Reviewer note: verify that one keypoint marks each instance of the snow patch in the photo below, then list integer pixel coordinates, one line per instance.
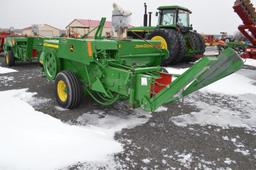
(241, 114)
(146, 161)
(218, 116)
(111, 123)
(228, 161)
(250, 62)
(161, 109)
(234, 84)
(185, 159)
(34, 140)
(244, 152)
(28, 97)
(5, 80)
(60, 108)
(4, 70)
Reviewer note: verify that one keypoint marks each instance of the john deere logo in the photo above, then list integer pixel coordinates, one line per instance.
(71, 48)
(148, 46)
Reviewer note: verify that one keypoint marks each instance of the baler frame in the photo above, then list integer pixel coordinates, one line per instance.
(109, 70)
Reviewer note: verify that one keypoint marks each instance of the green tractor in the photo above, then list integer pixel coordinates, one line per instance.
(175, 33)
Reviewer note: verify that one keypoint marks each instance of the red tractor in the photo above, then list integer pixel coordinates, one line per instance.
(246, 11)
(3, 35)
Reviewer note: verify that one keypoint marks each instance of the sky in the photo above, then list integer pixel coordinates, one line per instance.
(208, 17)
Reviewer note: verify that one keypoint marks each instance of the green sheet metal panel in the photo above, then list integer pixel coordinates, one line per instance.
(140, 53)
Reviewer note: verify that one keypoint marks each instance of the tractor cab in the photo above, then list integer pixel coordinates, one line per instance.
(174, 16)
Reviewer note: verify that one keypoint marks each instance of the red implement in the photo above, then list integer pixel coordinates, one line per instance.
(247, 13)
(2, 37)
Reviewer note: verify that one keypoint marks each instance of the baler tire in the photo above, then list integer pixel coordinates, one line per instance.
(9, 59)
(172, 43)
(74, 90)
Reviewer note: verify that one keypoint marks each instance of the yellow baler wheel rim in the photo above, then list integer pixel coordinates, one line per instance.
(62, 91)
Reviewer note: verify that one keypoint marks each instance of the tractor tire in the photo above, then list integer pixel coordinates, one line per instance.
(169, 40)
(9, 59)
(197, 44)
(201, 43)
(182, 49)
(193, 41)
(67, 90)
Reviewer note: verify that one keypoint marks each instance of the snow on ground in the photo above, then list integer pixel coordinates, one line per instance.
(60, 108)
(161, 109)
(240, 113)
(234, 84)
(4, 70)
(218, 116)
(111, 123)
(6, 80)
(23, 95)
(211, 51)
(34, 140)
(250, 62)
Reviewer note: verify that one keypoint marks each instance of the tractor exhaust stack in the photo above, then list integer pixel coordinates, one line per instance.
(150, 16)
(145, 16)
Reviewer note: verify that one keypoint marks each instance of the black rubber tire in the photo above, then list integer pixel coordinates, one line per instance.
(74, 89)
(172, 40)
(197, 44)
(182, 49)
(193, 41)
(201, 43)
(10, 57)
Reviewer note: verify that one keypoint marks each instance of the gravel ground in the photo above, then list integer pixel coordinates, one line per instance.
(159, 143)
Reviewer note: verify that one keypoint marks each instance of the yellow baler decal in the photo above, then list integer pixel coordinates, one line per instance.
(51, 45)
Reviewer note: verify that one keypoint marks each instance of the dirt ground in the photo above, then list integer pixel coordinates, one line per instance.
(159, 143)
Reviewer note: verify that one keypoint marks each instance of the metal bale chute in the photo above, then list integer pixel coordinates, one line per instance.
(110, 70)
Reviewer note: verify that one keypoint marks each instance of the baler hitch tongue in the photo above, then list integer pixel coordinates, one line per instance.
(204, 72)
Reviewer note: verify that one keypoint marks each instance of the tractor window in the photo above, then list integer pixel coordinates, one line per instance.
(183, 18)
(168, 17)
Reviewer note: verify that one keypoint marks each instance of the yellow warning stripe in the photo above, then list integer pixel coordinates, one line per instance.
(51, 45)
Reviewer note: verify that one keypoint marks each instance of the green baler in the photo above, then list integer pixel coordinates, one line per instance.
(22, 49)
(109, 70)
